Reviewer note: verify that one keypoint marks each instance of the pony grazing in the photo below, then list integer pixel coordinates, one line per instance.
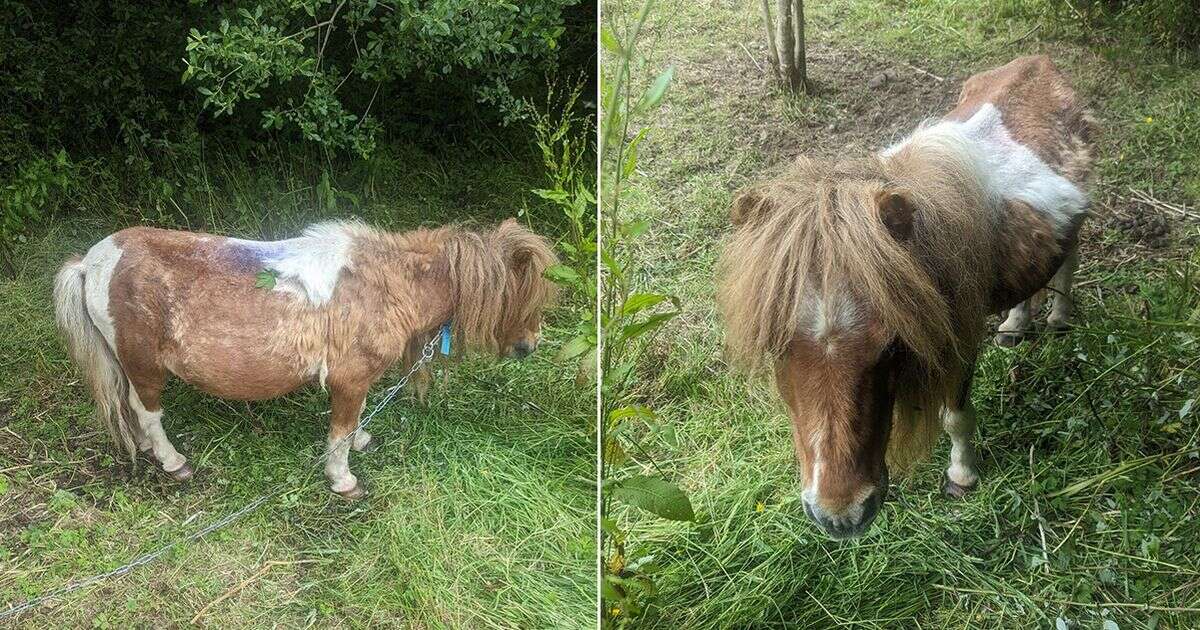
(864, 284)
(347, 301)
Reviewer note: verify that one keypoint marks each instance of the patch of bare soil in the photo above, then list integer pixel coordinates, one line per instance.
(859, 101)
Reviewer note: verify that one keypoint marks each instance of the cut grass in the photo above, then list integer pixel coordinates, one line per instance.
(480, 512)
(1087, 510)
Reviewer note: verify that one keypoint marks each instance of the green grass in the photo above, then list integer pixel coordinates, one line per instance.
(1089, 506)
(481, 509)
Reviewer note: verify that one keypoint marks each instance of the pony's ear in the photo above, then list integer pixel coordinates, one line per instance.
(896, 211)
(749, 204)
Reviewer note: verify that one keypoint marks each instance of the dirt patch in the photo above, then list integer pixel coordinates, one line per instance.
(859, 101)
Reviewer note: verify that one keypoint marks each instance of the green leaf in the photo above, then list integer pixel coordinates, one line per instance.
(631, 153)
(562, 274)
(655, 495)
(632, 411)
(634, 229)
(641, 301)
(657, 91)
(636, 330)
(266, 279)
(610, 591)
(577, 346)
(609, 41)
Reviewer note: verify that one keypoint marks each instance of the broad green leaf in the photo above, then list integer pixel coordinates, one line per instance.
(636, 330)
(634, 229)
(632, 411)
(577, 346)
(657, 90)
(609, 41)
(562, 274)
(655, 495)
(641, 301)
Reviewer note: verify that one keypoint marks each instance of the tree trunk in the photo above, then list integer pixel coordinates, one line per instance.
(770, 24)
(800, 64)
(787, 59)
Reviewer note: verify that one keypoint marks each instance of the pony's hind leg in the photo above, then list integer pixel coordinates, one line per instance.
(347, 406)
(145, 392)
(958, 420)
(1060, 285)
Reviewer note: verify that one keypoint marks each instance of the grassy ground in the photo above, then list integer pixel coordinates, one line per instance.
(480, 511)
(1087, 514)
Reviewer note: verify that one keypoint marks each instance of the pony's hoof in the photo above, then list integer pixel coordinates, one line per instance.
(1009, 339)
(1058, 326)
(353, 494)
(181, 474)
(955, 491)
(372, 446)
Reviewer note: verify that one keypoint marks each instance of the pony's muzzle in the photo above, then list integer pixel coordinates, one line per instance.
(522, 349)
(852, 520)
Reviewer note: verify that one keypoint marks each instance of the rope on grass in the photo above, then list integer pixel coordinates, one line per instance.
(388, 394)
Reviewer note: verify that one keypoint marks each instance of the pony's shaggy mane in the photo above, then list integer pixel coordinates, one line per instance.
(495, 277)
(817, 229)
(498, 276)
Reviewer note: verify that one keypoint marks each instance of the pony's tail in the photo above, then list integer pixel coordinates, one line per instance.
(97, 361)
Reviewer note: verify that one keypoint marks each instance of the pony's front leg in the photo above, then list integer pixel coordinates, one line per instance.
(347, 407)
(958, 420)
(1015, 325)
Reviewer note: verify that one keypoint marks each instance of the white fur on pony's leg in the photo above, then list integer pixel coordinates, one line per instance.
(1060, 307)
(337, 465)
(362, 441)
(150, 423)
(1012, 331)
(960, 426)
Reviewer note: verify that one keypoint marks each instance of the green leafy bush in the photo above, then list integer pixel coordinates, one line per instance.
(329, 68)
(24, 196)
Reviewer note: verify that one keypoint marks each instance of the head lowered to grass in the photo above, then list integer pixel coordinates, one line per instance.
(252, 320)
(864, 284)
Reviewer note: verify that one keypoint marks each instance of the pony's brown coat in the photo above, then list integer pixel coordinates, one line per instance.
(182, 305)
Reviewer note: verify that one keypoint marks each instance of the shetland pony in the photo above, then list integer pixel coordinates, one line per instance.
(347, 302)
(864, 284)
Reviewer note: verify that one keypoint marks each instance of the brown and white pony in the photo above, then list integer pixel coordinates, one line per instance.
(348, 301)
(864, 284)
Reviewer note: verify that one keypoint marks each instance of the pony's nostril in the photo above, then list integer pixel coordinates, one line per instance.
(853, 521)
(522, 349)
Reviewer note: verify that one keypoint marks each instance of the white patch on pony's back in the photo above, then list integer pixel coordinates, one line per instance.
(1006, 168)
(308, 266)
(99, 264)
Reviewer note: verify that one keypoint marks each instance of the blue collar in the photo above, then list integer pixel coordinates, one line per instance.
(446, 334)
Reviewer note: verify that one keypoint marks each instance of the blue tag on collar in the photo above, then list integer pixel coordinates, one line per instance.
(446, 339)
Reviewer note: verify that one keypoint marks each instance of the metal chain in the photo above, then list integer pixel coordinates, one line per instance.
(390, 393)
